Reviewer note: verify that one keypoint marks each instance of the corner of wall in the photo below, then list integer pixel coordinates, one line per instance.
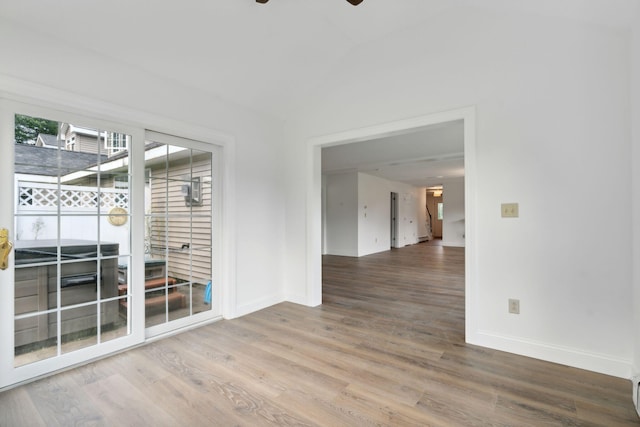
(259, 304)
(635, 182)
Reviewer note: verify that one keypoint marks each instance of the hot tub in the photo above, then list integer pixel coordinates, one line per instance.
(36, 286)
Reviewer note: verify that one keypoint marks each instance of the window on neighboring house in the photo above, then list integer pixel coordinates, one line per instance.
(121, 182)
(116, 142)
(70, 145)
(440, 211)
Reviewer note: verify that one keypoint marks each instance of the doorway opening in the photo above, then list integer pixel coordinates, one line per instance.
(435, 208)
(404, 127)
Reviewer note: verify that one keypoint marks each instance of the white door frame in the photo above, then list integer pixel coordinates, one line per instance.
(313, 202)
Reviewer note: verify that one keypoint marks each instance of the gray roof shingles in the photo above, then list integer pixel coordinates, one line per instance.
(51, 140)
(44, 161)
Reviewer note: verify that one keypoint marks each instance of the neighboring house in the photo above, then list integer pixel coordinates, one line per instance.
(174, 234)
(86, 140)
(48, 141)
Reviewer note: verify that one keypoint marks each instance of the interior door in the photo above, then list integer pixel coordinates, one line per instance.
(66, 207)
(434, 204)
(437, 223)
(394, 220)
(182, 193)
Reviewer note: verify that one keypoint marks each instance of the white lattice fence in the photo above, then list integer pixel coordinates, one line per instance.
(36, 194)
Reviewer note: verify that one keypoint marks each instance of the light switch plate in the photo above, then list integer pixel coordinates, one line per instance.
(509, 210)
(514, 306)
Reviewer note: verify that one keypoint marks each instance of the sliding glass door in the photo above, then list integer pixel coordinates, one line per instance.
(108, 235)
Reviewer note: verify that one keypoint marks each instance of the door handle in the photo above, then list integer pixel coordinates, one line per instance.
(5, 248)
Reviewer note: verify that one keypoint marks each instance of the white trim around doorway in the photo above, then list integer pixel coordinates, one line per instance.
(314, 202)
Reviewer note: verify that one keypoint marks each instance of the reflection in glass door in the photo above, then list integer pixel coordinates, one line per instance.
(72, 235)
(179, 223)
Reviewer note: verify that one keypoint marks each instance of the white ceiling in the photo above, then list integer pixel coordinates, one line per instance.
(274, 57)
(424, 158)
(268, 57)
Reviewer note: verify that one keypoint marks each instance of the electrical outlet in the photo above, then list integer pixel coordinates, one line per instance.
(514, 306)
(509, 210)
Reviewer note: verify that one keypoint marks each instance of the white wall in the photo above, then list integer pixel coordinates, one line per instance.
(341, 223)
(256, 176)
(635, 99)
(374, 209)
(453, 220)
(374, 214)
(358, 220)
(552, 130)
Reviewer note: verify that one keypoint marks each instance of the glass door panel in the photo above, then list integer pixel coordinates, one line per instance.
(71, 238)
(179, 228)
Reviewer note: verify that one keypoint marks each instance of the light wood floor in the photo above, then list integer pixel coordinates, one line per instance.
(386, 348)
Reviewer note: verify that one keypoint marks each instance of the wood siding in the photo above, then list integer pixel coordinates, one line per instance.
(172, 223)
(86, 144)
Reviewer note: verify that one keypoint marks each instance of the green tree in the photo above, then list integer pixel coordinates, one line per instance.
(28, 128)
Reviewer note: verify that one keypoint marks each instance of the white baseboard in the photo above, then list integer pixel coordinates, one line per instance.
(298, 299)
(258, 304)
(635, 381)
(453, 243)
(601, 363)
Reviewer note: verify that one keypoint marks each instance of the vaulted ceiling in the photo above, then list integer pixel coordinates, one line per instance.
(274, 57)
(268, 57)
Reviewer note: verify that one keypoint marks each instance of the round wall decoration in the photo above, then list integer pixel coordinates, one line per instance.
(118, 216)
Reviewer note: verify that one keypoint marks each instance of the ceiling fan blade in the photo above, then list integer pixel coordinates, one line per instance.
(353, 2)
